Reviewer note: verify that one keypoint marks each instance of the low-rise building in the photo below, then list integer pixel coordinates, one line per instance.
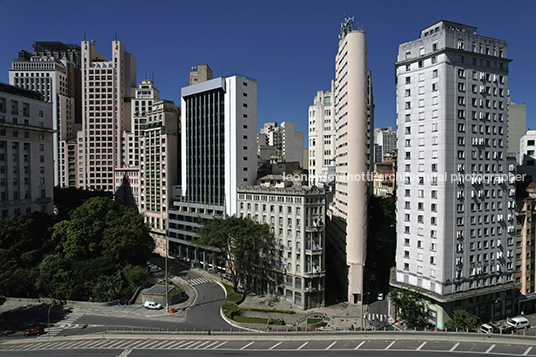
(296, 215)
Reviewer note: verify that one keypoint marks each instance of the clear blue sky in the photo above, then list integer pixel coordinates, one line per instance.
(288, 46)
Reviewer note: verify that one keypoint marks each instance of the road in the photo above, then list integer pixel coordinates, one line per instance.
(227, 345)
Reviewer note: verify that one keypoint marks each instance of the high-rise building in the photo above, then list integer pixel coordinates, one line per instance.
(386, 138)
(280, 143)
(218, 147)
(525, 244)
(354, 118)
(159, 167)
(143, 98)
(53, 69)
(321, 133)
(106, 114)
(517, 121)
(455, 210)
(26, 156)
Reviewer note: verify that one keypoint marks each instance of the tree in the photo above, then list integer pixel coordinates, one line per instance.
(246, 247)
(461, 319)
(24, 241)
(100, 253)
(413, 309)
(67, 199)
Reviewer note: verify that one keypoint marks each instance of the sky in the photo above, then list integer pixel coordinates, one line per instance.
(288, 46)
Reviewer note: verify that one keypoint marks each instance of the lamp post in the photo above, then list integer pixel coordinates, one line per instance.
(49, 318)
(166, 265)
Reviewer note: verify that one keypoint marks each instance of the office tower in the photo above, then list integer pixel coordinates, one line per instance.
(321, 133)
(141, 103)
(26, 156)
(517, 121)
(525, 246)
(280, 143)
(354, 119)
(296, 215)
(455, 212)
(386, 138)
(218, 147)
(106, 114)
(53, 69)
(527, 156)
(159, 166)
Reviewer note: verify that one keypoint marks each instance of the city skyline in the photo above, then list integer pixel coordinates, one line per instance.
(290, 53)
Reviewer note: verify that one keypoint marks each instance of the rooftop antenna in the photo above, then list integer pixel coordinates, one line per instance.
(152, 76)
(116, 36)
(84, 36)
(145, 74)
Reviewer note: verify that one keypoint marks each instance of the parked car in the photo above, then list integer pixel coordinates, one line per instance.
(152, 305)
(34, 331)
(488, 329)
(380, 296)
(518, 322)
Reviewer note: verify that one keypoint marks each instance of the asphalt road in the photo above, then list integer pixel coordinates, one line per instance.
(225, 347)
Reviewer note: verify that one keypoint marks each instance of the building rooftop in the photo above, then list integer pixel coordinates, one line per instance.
(6, 88)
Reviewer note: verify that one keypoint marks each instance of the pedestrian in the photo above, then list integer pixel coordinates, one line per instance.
(522, 313)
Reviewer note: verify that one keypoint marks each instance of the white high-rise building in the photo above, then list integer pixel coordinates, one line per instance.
(53, 70)
(455, 223)
(106, 114)
(218, 147)
(321, 134)
(354, 121)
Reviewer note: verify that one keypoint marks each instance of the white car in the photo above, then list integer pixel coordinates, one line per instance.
(380, 296)
(152, 305)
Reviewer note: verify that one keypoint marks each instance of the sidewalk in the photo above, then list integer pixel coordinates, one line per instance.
(339, 317)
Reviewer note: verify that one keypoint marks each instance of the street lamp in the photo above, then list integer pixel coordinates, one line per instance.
(49, 318)
(166, 265)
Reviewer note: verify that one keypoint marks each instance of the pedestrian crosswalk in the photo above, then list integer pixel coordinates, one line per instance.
(198, 281)
(69, 322)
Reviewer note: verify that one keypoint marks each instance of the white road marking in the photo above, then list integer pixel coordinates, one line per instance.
(274, 346)
(454, 347)
(527, 351)
(125, 353)
(221, 344)
(204, 343)
(490, 348)
(212, 344)
(249, 344)
(327, 348)
(361, 344)
(302, 346)
(421, 346)
(392, 343)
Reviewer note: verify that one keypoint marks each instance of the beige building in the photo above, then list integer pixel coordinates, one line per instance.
(296, 215)
(525, 241)
(347, 234)
(159, 167)
(26, 155)
(106, 114)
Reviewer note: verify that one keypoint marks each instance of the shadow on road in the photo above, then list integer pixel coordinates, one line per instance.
(24, 317)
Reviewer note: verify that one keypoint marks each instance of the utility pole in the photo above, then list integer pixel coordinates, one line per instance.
(166, 265)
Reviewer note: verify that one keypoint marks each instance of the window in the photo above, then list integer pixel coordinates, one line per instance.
(461, 73)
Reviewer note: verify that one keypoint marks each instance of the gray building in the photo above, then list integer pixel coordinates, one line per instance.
(26, 155)
(296, 215)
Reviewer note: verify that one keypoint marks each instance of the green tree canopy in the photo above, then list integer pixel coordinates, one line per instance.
(100, 253)
(413, 309)
(247, 247)
(461, 319)
(24, 241)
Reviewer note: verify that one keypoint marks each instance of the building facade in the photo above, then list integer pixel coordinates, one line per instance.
(296, 215)
(386, 138)
(159, 167)
(321, 133)
(455, 210)
(354, 119)
(218, 147)
(53, 70)
(26, 155)
(280, 143)
(106, 114)
(517, 122)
